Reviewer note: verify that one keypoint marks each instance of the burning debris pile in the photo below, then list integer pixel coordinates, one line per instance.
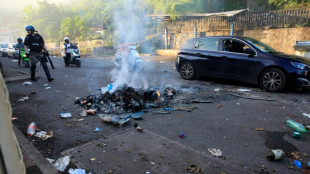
(126, 100)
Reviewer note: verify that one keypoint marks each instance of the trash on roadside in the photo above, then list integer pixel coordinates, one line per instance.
(48, 87)
(83, 114)
(43, 135)
(244, 90)
(295, 155)
(296, 134)
(276, 154)
(93, 159)
(296, 126)
(297, 163)
(14, 60)
(114, 119)
(27, 83)
(307, 127)
(32, 128)
(217, 89)
(215, 152)
(76, 171)
(97, 129)
(80, 119)
(91, 111)
(201, 101)
(259, 129)
(306, 115)
(65, 115)
(181, 135)
(14, 118)
(33, 92)
(23, 99)
(139, 128)
(61, 163)
(44, 85)
(194, 169)
(218, 106)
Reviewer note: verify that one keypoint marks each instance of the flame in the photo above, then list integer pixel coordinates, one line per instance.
(158, 93)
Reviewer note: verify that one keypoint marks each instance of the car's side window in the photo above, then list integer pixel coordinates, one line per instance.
(207, 44)
(237, 46)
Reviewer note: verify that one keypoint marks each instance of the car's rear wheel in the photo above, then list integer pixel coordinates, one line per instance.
(272, 80)
(187, 71)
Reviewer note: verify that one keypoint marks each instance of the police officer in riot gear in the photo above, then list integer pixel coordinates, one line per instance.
(35, 43)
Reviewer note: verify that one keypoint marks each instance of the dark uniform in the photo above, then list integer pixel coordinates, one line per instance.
(35, 44)
(19, 46)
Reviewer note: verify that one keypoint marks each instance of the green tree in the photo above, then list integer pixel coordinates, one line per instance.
(286, 4)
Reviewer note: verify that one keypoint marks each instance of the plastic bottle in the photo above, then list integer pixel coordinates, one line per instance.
(296, 134)
(31, 130)
(297, 163)
(296, 126)
(275, 154)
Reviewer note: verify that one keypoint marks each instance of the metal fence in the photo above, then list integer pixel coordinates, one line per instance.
(272, 19)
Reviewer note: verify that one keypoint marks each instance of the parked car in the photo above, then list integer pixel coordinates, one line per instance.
(3, 46)
(12, 51)
(248, 60)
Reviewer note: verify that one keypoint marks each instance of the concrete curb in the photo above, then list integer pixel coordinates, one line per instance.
(37, 158)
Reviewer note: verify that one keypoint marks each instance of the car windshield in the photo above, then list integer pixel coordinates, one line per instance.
(261, 46)
(4, 45)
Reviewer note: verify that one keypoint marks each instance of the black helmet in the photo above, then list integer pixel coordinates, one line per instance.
(30, 27)
(19, 40)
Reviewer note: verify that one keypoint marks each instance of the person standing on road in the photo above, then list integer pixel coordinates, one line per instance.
(19, 45)
(35, 43)
(67, 48)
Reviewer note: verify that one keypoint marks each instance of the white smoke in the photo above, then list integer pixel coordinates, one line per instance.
(130, 25)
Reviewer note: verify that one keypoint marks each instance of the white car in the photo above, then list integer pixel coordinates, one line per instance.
(3, 47)
(12, 51)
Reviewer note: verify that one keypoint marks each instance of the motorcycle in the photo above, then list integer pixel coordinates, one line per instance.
(75, 56)
(130, 54)
(24, 59)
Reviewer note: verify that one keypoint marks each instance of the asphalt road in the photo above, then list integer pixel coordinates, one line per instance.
(228, 123)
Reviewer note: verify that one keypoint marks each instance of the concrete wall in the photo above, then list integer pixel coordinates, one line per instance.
(282, 39)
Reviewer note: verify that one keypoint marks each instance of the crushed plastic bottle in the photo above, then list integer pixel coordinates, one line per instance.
(296, 126)
(181, 135)
(31, 130)
(275, 154)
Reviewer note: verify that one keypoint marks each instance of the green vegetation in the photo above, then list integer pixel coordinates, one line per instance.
(82, 19)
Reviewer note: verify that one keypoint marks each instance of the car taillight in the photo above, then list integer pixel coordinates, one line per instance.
(179, 53)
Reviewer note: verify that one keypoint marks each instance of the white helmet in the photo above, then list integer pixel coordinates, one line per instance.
(66, 38)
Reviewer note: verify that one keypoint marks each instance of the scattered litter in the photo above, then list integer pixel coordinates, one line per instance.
(217, 89)
(14, 118)
(61, 163)
(215, 152)
(152, 163)
(238, 104)
(297, 163)
(83, 114)
(296, 134)
(201, 101)
(259, 129)
(114, 119)
(218, 106)
(14, 60)
(139, 128)
(295, 155)
(80, 119)
(181, 135)
(244, 90)
(32, 128)
(97, 130)
(48, 87)
(194, 169)
(23, 99)
(43, 135)
(91, 111)
(306, 115)
(252, 97)
(44, 85)
(27, 83)
(77, 171)
(93, 159)
(307, 127)
(296, 126)
(276, 154)
(65, 115)
(147, 172)
(33, 92)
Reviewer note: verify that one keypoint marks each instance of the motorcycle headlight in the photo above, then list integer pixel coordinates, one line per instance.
(299, 65)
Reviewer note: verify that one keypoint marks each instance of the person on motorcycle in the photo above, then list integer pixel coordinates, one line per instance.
(19, 45)
(67, 48)
(35, 43)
